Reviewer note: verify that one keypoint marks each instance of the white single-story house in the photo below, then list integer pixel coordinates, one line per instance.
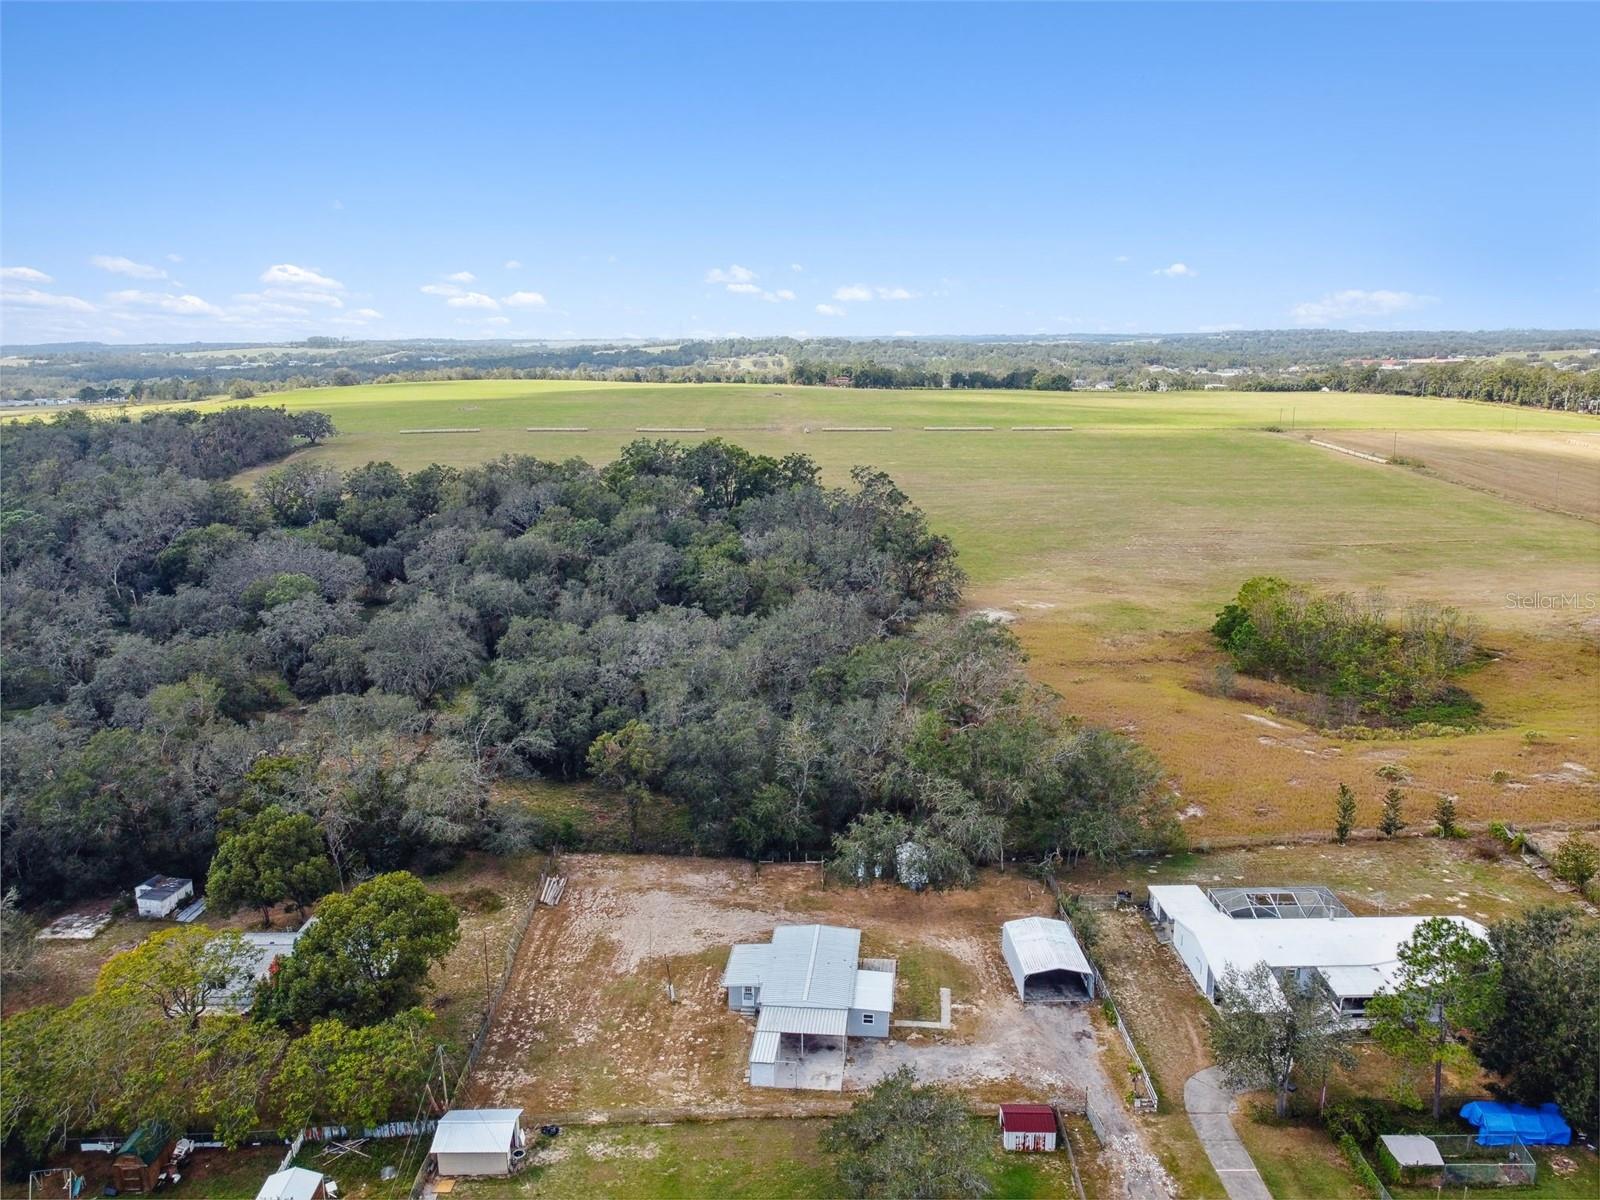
(809, 992)
(1292, 928)
(160, 895)
(297, 1183)
(1047, 964)
(265, 948)
(478, 1141)
(1028, 1127)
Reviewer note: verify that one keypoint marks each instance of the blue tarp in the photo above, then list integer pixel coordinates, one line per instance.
(1502, 1124)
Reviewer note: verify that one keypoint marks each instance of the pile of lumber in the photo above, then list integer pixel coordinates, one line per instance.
(551, 889)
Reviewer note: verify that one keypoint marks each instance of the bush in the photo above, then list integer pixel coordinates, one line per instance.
(1361, 1119)
(1347, 648)
(1363, 1169)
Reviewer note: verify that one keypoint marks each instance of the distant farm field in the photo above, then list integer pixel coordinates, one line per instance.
(1114, 541)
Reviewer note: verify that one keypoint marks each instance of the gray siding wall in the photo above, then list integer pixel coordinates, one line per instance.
(856, 1027)
(474, 1164)
(736, 999)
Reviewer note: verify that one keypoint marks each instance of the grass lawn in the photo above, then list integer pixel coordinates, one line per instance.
(1296, 1161)
(730, 1159)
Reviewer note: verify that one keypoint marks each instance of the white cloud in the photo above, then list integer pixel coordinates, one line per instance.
(862, 292)
(744, 289)
(783, 294)
(1121, 258)
(1177, 270)
(830, 310)
(296, 296)
(440, 289)
(497, 320)
(796, 267)
(472, 300)
(1356, 303)
(184, 306)
(288, 275)
(512, 265)
(462, 277)
(734, 274)
(366, 314)
(525, 300)
(118, 265)
(25, 274)
(34, 298)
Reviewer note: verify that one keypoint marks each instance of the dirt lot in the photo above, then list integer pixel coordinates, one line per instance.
(588, 1033)
(1550, 470)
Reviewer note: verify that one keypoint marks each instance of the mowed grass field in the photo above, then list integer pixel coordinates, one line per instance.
(1114, 543)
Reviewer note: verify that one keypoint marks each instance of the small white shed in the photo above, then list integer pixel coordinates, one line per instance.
(296, 1183)
(159, 895)
(478, 1141)
(1046, 962)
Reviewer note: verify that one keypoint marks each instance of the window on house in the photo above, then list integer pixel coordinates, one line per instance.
(869, 1018)
(749, 994)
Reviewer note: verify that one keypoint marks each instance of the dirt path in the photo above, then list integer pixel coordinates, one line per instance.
(1060, 1045)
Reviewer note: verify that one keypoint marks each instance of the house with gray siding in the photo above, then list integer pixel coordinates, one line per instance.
(809, 991)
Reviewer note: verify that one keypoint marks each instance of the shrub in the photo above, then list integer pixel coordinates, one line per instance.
(1347, 648)
(1444, 816)
(1576, 861)
(1392, 772)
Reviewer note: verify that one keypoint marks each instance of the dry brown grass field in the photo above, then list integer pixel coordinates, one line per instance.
(1558, 471)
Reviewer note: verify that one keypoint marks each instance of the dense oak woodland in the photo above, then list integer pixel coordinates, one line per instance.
(694, 626)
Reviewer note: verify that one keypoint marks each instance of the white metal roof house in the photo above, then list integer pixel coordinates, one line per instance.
(1292, 928)
(296, 1183)
(809, 992)
(478, 1141)
(1047, 964)
(265, 946)
(159, 895)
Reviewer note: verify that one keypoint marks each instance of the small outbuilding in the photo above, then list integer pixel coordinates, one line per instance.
(1028, 1127)
(296, 1183)
(479, 1141)
(1046, 962)
(1411, 1158)
(160, 895)
(143, 1157)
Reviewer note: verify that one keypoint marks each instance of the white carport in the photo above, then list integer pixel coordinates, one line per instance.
(1047, 964)
(478, 1141)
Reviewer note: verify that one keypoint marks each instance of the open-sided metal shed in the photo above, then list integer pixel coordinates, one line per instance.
(1046, 962)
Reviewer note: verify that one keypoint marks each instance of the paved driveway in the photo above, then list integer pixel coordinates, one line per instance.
(1209, 1102)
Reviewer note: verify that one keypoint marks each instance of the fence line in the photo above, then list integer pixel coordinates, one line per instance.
(1150, 1100)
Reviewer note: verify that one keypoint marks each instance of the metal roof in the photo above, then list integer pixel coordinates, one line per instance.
(296, 1183)
(476, 1131)
(778, 1018)
(764, 1049)
(1027, 1118)
(1041, 944)
(747, 965)
(1372, 942)
(1413, 1150)
(874, 991)
(1357, 982)
(812, 966)
(161, 887)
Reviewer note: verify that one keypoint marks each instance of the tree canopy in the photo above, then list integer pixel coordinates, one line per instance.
(908, 1140)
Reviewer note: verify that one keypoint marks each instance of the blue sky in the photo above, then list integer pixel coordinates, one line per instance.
(229, 172)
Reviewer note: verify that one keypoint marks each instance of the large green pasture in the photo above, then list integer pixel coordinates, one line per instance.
(1146, 514)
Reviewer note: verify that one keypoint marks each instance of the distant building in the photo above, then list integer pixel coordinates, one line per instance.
(160, 895)
(1028, 1127)
(809, 990)
(1300, 929)
(478, 1141)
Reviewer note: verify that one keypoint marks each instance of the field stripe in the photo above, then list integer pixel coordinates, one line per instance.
(473, 429)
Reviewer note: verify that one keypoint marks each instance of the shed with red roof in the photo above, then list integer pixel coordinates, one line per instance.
(1027, 1127)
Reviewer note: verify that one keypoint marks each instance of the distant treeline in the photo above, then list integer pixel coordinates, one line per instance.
(1291, 360)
